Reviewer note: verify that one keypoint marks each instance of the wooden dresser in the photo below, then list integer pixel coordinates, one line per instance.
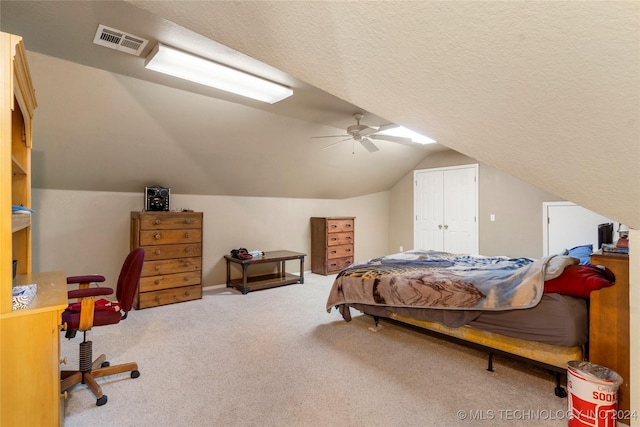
(332, 240)
(609, 324)
(172, 269)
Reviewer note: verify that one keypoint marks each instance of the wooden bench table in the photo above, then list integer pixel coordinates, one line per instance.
(281, 277)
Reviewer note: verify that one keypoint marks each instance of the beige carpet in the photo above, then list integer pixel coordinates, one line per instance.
(276, 358)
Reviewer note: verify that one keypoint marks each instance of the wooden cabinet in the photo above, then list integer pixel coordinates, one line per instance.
(29, 338)
(30, 353)
(609, 324)
(172, 270)
(332, 240)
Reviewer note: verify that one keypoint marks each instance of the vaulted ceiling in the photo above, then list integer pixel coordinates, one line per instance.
(546, 91)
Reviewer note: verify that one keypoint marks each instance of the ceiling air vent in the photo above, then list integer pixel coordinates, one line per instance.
(119, 40)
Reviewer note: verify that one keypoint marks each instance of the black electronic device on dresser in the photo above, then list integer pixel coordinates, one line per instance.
(156, 198)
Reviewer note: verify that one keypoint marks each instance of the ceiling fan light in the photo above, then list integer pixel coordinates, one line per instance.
(407, 133)
(167, 60)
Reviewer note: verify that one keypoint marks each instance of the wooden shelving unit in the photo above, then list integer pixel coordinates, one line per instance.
(20, 222)
(29, 338)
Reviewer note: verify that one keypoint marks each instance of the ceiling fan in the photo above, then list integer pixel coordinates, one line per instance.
(364, 134)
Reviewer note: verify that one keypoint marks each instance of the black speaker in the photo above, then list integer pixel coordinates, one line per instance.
(157, 198)
(605, 234)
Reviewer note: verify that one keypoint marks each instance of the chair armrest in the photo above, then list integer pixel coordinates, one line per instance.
(90, 278)
(88, 292)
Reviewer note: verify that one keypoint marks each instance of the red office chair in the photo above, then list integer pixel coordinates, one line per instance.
(87, 313)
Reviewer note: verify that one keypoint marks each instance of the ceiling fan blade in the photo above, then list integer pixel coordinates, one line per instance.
(386, 127)
(336, 143)
(369, 130)
(366, 142)
(330, 136)
(400, 139)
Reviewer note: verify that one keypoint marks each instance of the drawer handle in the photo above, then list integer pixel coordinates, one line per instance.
(334, 252)
(186, 279)
(157, 236)
(187, 264)
(157, 268)
(333, 239)
(157, 251)
(347, 250)
(187, 249)
(187, 235)
(157, 282)
(158, 222)
(187, 221)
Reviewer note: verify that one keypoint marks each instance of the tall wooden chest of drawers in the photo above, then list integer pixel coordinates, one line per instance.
(331, 244)
(172, 243)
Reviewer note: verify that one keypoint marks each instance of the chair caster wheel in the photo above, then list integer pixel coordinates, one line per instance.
(135, 374)
(102, 400)
(105, 364)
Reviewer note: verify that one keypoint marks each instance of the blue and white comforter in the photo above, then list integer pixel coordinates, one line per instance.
(440, 280)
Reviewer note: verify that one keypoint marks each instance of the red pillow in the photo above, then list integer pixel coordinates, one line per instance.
(580, 280)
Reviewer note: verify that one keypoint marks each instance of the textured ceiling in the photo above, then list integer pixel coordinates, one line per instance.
(546, 91)
(101, 125)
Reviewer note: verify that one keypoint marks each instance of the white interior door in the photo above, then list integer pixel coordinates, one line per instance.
(567, 225)
(445, 204)
(460, 212)
(429, 215)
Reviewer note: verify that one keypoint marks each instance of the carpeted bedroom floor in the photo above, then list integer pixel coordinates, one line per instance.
(275, 357)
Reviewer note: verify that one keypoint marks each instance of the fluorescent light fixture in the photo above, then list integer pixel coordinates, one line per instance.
(407, 133)
(177, 63)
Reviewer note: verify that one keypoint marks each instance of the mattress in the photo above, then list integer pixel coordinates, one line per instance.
(557, 319)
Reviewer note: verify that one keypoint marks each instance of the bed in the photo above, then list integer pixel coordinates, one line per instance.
(535, 310)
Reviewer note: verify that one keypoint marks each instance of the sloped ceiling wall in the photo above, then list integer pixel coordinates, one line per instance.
(100, 131)
(105, 123)
(546, 91)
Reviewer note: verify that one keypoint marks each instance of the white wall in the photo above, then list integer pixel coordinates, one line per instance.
(82, 232)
